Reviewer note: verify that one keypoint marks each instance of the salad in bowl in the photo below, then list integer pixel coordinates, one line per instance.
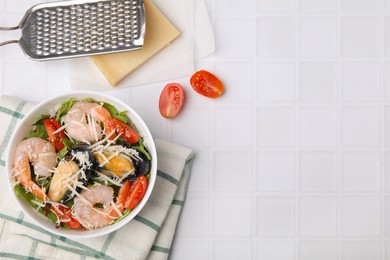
(82, 164)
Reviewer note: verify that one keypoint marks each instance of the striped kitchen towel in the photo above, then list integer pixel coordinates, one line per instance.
(148, 236)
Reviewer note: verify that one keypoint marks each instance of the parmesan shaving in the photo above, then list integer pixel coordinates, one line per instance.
(105, 178)
(60, 129)
(78, 123)
(116, 209)
(105, 139)
(79, 195)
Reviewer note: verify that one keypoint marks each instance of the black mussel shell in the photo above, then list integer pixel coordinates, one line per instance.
(142, 167)
(89, 172)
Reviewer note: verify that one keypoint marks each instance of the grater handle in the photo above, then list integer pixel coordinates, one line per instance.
(8, 29)
(8, 42)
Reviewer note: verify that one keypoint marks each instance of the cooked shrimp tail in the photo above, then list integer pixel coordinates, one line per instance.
(86, 209)
(42, 156)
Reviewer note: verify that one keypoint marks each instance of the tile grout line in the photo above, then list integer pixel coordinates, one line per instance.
(339, 136)
(254, 198)
(296, 202)
(212, 144)
(382, 188)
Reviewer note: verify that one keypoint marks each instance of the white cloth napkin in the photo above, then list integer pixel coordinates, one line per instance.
(173, 62)
(148, 236)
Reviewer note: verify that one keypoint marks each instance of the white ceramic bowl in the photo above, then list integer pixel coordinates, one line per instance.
(48, 106)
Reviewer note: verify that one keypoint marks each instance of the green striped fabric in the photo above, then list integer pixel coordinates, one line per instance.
(148, 236)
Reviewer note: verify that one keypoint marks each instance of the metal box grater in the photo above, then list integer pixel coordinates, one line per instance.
(81, 28)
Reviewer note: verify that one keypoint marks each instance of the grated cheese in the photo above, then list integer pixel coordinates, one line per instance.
(60, 129)
(79, 195)
(105, 139)
(116, 209)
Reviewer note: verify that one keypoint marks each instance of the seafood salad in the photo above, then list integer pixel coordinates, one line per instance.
(84, 166)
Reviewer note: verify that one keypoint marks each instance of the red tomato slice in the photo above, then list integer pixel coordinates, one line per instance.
(52, 126)
(65, 215)
(171, 100)
(137, 192)
(207, 84)
(126, 131)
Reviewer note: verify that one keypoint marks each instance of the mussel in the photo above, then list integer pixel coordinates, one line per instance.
(126, 164)
(142, 167)
(117, 165)
(72, 172)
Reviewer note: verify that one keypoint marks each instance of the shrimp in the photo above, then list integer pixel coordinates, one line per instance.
(80, 122)
(85, 210)
(43, 157)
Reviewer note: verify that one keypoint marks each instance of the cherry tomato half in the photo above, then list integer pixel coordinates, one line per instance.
(137, 192)
(207, 84)
(52, 126)
(126, 131)
(171, 100)
(65, 216)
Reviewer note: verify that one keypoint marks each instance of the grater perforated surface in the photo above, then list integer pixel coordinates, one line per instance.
(52, 31)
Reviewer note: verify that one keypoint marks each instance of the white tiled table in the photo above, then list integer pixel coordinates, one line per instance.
(293, 162)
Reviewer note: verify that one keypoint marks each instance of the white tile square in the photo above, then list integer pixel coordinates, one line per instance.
(197, 127)
(360, 250)
(360, 6)
(275, 216)
(201, 171)
(387, 36)
(360, 81)
(387, 171)
(387, 217)
(360, 216)
(275, 126)
(276, 81)
(386, 76)
(232, 220)
(193, 249)
(387, 250)
(237, 89)
(199, 206)
(318, 216)
(360, 126)
(275, 250)
(32, 81)
(57, 83)
(275, 171)
(143, 95)
(275, 37)
(230, 7)
(232, 250)
(318, 171)
(386, 6)
(360, 171)
(275, 6)
(318, 81)
(157, 124)
(235, 47)
(318, 6)
(387, 125)
(231, 121)
(318, 126)
(231, 166)
(13, 51)
(14, 7)
(318, 250)
(360, 37)
(120, 93)
(318, 37)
